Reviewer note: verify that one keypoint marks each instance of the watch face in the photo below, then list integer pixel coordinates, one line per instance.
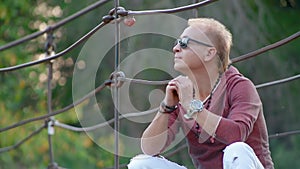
(196, 105)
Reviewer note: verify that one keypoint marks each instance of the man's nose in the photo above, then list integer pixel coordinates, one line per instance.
(176, 48)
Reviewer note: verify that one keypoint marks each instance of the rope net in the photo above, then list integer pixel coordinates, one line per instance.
(117, 78)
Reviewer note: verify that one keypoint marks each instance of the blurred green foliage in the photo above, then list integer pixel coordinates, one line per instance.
(254, 24)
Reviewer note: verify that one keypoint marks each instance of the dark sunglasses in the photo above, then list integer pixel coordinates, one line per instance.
(183, 42)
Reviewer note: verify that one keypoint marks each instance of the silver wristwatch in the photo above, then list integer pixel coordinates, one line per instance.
(195, 107)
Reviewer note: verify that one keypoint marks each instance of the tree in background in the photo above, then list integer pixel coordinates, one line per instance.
(23, 93)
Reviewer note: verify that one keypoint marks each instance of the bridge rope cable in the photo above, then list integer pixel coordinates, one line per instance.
(142, 81)
(18, 144)
(168, 11)
(54, 26)
(106, 123)
(283, 134)
(278, 81)
(267, 48)
(164, 82)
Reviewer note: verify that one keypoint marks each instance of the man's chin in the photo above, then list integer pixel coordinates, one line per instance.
(180, 68)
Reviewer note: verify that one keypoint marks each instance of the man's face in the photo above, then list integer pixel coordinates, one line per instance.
(190, 58)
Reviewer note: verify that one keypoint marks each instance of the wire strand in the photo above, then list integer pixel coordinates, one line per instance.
(87, 129)
(5, 149)
(172, 10)
(288, 133)
(278, 81)
(267, 48)
(142, 81)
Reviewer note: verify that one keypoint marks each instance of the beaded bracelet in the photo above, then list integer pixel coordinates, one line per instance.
(166, 109)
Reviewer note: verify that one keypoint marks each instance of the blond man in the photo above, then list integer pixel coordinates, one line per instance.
(218, 109)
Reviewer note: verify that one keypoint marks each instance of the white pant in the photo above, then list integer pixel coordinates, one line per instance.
(238, 155)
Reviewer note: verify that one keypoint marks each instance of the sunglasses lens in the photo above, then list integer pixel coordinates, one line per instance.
(181, 43)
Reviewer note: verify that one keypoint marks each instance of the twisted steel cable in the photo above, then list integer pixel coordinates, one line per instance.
(142, 81)
(278, 81)
(91, 128)
(283, 134)
(168, 11)
(18, 144)
(266, 48)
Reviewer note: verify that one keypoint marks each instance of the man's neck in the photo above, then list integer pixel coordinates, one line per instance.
(204, 82)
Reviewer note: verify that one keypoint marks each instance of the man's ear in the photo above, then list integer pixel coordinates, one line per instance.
(210, 54)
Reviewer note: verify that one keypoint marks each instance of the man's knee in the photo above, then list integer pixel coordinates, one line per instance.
(238, 148)
(150, 162)
(140, 162)
(240, 155)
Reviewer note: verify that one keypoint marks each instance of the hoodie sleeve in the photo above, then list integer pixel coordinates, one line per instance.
(245, 106)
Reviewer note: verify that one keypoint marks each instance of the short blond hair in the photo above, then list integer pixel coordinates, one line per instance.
(219, 36)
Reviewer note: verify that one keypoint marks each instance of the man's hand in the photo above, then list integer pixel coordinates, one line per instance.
(180, 90)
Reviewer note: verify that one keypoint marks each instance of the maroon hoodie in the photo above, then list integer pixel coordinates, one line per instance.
(239, 104)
